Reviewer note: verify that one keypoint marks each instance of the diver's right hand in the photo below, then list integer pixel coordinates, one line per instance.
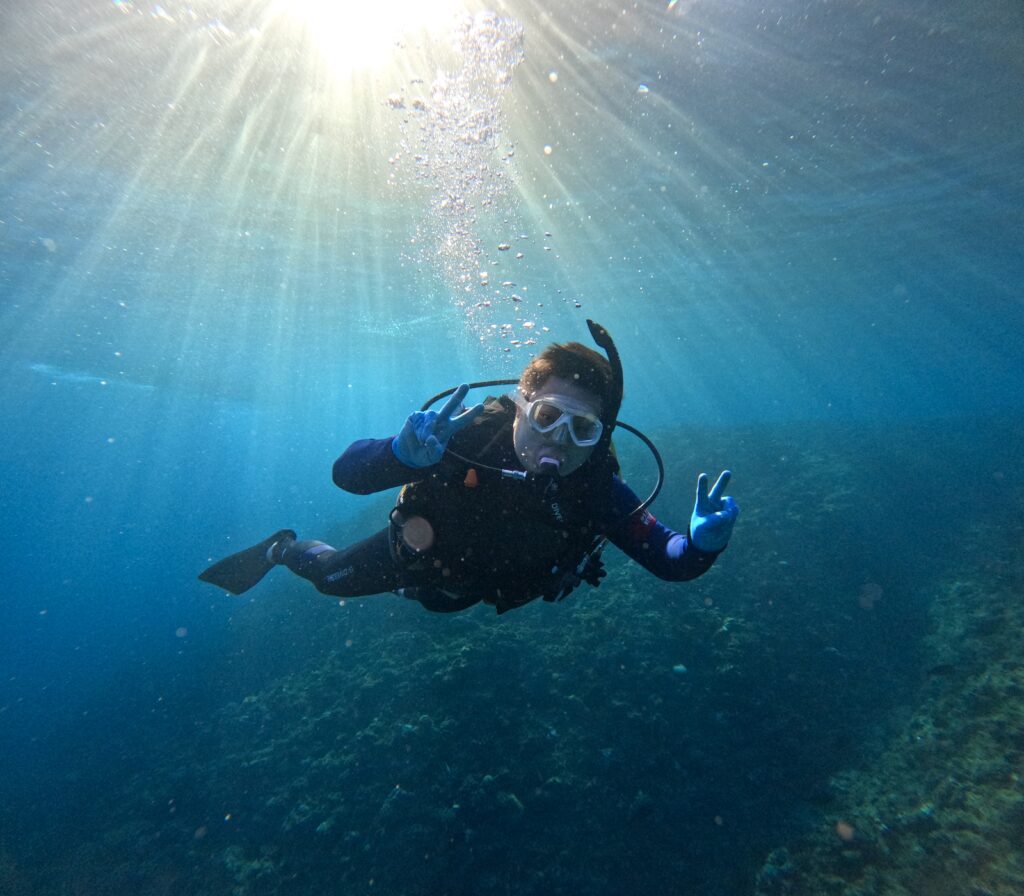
(425, 435)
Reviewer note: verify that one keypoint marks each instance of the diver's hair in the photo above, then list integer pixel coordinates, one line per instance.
(575, 362)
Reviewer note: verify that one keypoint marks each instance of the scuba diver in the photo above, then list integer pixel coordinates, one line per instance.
(504, 502)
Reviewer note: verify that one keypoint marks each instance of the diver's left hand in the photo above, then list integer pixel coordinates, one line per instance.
(714, 515)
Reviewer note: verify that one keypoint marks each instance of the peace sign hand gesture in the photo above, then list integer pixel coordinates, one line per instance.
(425, 435)
(714, 515)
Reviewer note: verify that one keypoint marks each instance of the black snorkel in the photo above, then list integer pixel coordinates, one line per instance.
(604, 342)
(609, 418)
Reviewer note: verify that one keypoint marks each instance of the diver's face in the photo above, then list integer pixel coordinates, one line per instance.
(538, 450)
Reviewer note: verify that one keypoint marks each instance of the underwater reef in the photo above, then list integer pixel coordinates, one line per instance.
(940, 810)
(834, 709)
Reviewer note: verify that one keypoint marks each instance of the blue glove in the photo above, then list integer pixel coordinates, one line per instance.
(424, 437)
(714, 515)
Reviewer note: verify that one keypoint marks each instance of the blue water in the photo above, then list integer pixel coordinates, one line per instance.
(801, 223)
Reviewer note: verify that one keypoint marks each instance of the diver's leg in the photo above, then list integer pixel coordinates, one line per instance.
(361, 569)
(365, 568)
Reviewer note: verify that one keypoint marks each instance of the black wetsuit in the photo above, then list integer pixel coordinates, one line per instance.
(498, 540)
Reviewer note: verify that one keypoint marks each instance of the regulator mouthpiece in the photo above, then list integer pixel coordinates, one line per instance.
(549, 466)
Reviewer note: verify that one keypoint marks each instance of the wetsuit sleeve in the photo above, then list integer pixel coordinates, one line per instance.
(370, 465)
(668, 554)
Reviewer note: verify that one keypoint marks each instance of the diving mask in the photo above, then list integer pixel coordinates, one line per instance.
(549, 412)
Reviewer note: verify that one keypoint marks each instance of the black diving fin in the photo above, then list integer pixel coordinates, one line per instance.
(239, 572)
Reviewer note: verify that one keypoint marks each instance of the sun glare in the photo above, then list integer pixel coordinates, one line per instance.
(361, 34)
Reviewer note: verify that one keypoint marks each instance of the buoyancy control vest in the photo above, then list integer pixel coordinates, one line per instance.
(507, 541)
